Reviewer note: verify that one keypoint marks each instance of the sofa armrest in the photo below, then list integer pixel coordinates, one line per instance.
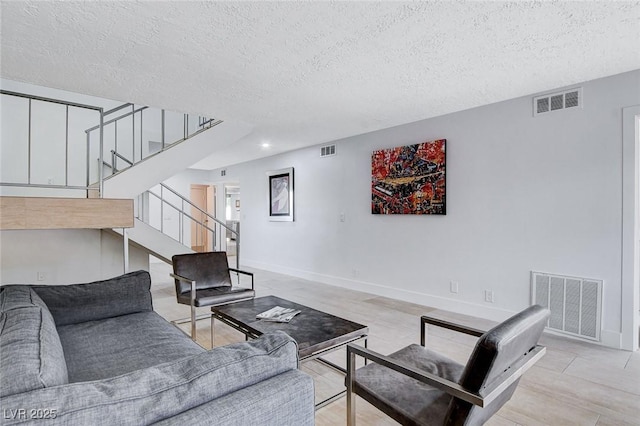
(292, 404)
(152, 394)
(76, 303)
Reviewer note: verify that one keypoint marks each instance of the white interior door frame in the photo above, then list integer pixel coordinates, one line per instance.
(630, 302)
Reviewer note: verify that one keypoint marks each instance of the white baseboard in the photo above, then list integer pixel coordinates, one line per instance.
(609, 338)
(438, 302)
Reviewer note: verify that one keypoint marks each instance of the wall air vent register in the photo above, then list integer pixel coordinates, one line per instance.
(575, 303)
(327, 151)
(557, 101)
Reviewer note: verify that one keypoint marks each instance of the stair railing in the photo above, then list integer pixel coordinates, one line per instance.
(48, 182)
(114, 160)
(129, 135)
(219, 228)
(128, 147)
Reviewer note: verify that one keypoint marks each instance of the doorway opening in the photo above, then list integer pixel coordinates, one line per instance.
(232, 217)
(202, 229)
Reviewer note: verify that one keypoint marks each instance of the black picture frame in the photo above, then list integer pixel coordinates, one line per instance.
(280, 195)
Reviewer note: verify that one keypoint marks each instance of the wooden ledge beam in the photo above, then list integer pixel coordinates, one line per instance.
(65, 213)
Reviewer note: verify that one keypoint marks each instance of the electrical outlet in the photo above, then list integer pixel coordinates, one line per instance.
(453, 286)
(488, 296)
(342, 217)
(41, 276)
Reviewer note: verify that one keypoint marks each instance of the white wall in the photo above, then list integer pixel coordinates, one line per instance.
(64, 256)
(523, 194)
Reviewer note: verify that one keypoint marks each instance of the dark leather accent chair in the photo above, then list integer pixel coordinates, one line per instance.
(204, 279)
(417, 386)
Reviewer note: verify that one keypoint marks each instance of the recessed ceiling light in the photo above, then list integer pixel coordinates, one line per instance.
(266, 145)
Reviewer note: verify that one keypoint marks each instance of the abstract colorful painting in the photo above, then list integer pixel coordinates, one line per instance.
(409, 179)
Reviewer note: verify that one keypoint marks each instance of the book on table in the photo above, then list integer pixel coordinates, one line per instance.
(278, 314)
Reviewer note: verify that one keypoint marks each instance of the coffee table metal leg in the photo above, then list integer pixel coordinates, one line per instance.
(329, 400)
(333, 365)
(351, 401)
(337, 367)
(213, 332)
(365, 346)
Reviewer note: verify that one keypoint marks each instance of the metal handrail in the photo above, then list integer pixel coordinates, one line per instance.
(67, 104)
(202, 125)
(120, 156)
(208, 121)
(184, 200)
(173, 191)
(118, 108)
(51, 100)
(114, 156)
(182, 212)
(218, 221)
(49, 186)
(120, 117)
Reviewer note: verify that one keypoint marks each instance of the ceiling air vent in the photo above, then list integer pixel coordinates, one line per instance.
(557, 101)
(327, 151)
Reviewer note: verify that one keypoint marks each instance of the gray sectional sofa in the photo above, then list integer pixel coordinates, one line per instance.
(98, 354)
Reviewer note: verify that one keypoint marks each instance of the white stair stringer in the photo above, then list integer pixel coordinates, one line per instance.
(134, 180)
(155, 242)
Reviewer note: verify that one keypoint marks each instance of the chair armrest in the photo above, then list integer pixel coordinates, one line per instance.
(452, 388)
(448, 325)
(245, 273)
(492, 392)
(181, 278)
(193, 286)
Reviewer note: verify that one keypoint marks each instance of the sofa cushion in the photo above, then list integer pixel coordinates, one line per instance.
(110, 347)
(156, 393)
(76, 303)
(31, 355)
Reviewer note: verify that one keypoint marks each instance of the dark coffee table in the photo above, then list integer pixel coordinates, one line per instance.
(316, 332)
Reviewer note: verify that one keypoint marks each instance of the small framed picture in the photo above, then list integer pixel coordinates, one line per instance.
(281, 195)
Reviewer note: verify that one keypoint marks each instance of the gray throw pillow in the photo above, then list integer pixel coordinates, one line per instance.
(31, 355)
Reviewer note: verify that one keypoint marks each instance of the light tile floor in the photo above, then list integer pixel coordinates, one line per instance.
(576, 383)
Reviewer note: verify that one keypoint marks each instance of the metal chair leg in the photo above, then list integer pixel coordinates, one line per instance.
(192, 295)
(193, 323)
(351, 401)
(213, 332)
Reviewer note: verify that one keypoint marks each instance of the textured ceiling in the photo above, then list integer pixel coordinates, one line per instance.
(310, 72)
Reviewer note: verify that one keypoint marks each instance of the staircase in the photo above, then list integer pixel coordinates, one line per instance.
(164, 152)
(130, 150)
(156, 243)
